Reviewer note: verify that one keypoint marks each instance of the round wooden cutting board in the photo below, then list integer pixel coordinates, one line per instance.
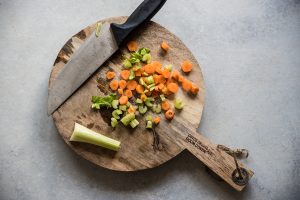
(137, 151)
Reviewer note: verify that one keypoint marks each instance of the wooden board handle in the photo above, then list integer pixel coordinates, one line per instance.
(214, 158)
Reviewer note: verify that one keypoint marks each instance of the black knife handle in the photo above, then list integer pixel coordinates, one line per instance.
(143, 13)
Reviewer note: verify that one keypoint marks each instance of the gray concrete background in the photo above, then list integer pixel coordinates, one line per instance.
(250, 56)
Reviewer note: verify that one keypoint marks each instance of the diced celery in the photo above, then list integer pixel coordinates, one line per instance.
(136, 55)
(141, 81)
(149, 124)
(101, 101)
(169, 67)
(138, 101)
(132, 75)
(148, 102)
(152, 88)
(145, 74)
(150, 99)
(137, 66)
(134, 123)
(113, 122)
(156, 108)
(162, 97)
(147, 58)
(115, 104)
(150, 80)
(116, 113)
(134, 60)
(127, 64)
(143, 51)
(127, 118)
(128, 104)
(146, 90)
(123, 107)
(178, 104)
(83, 134)
(95, 106)
(148, 118)
(142, 109)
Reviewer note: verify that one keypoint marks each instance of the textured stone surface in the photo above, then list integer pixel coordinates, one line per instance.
(249, 52)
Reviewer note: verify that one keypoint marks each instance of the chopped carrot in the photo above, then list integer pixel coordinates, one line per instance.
(175, 74)
(132, 46)
(172, 87)
(194, 88)
(138, 72)
(169, 114)
(156, 88)
(158, 69)
(156, 64)
(128, 93)
(114, 85)
(123, 100)
(122, 84)
(131, 85)
(110, 75)
(180, 79)
(161, 86)
(156, 78)
(186, 66)
(165, 91)
(139, 89)
(161, 79)
(165, 46)
(131, 109)
(165, 105)
(142, 69)
(166, 73)
(149, 68)
(143, 97)
(156, 120)
(125, 74)
(120, 91)
(135, 68)
(186, 85)
(170, 80)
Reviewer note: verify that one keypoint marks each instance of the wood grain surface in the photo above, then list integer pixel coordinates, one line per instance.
(137, 150)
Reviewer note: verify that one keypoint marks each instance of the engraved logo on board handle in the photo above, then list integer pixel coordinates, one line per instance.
(198, 144)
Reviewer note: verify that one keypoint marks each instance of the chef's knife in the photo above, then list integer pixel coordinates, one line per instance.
(95, 51)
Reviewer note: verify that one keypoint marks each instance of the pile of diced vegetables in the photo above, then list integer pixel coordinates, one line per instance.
(144, 86)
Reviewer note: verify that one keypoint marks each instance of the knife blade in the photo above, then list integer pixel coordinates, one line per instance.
(95, 51)
(84, 62)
